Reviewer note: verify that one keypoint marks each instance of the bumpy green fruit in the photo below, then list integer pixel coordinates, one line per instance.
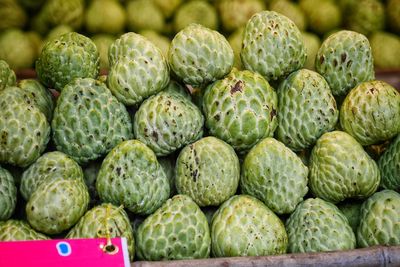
(235, 40)
(89, 121)
(367, 16)
(208, 171)
(290, 10)
(235, 13)
(323, 16)
(393, 14)
(7, 76)
(103, 42)
(389, 166)
(15, 230)
(144, 15)
(198, 55)
(371, 112)
(24, 130)
(58, 31)
(177, 230)
(168, 121)
(160, 41)
(174, 87)
(52, 165)
(138, 69)
(317, 225)
(90, 172)
(380, 220)
(12, 15)
(260, 51)
(241, 109)
(345, 60)
(274, 174)
(57, 204)
(385, 50)
(167, 7)
(312, 43)
(80, 53)
(168, 165)
(8, 194)
(105, 220)
(340, 169)
(351, 209)
(196, 11)
(244, 226)
(41, 96)
(58, 12)
(131, 176)
(306, 110)
(105, 16)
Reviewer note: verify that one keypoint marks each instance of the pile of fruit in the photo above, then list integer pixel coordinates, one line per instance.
(26, 25)
(187, 156)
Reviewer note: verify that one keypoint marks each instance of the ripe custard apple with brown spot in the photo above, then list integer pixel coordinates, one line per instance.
(241, 109)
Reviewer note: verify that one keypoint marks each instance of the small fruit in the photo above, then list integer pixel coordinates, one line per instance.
(389, 166)
(8, 194)
(196, 11)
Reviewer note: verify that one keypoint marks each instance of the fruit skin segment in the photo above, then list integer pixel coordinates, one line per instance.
(18, 230)
(8, 194)
(389, 166)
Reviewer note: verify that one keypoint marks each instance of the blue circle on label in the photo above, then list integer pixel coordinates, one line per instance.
(64, 248)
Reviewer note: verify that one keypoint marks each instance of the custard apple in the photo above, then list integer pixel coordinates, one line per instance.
(290, 10)
(389, 166)
(195, 11)
(385, 50)
(312, 43)
(103, 42)
(322, 15)
(393, 14)
(144, 15)
(366, 16)
(12, 15)
(105, 16)
(58, 12)
(8, 194)
(7, 75)
(17, 230)
(351, 209)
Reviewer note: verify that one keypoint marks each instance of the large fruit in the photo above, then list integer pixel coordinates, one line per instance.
(16, 230)
(306, 109)
(371, 112)
(340, 169)
(389, 166)
(52, 165)
(7, 75)
(8, 194)
(12, 15)
(60, 12)
(89, 121)
(80, 53)
(56, 205)
(105, 221)
(241, 109)
(385, 50)
(317, 225)
(208, 171)
(244, 226)
(274, 174)
(131, 176)
(380, 220)
(261, 52)
(168, 121)
(198, 55)
(178, 230)
(138, 69)
(345, 60)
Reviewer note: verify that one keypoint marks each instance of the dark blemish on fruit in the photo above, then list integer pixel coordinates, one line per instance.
(335, 63)
(372, 90)
(217, 117)
(155, 135)
(118, 170)
(273, 113)
(195, 175)
(237, 87)
(343, 57)
(321, 60)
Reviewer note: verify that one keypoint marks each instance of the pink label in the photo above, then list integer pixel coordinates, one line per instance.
(65, 252)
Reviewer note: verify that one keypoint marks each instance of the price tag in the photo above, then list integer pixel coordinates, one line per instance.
(65, 253)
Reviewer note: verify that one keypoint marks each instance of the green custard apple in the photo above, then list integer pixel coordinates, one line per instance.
(144, 15)
(380, 220)
(393, 14)
(389, 166)
(235, 40)
(341, 169)
(8, 194)
(168, 7)
(174, 87)
(60, 12)
(7, 75)
(312, 43)
(159, 40)
(272, 45)
(17, 230)
(290, 10)
(352, 210)
(177, 230)
(89, 121)
(105, 16)
(274, 174)
(244, 226)
(241, 109)
(103, 42)
(316, 226)
(385, 50)
(371, 112)
(366, 16)
(306, 109)
(12, 15)
(195, 11)
(345, 60)
(131, 176)
(168, 165)
(208, 171)
(322, 15)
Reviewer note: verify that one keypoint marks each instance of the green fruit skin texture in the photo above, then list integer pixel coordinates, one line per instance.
(131, 176)
(208, 171)
(371, 112)
(260, 51)
(56, 205)
(389, 166)
(274, 174)
(15, 230)
(7, 76)
(306, 109)
(345, 60)
(89, 121)
(102, 221)
(168, 121)
(51, 165)
(244, 226)
(168, 165)
(340, 169)
(177, 230)
(241, 109)
(138, 69)
(316, 226)
(380, 220)
(197, 11)
(57, 12)
(8, 194)
(24, 130)
(352, 210)
(290, 10)
(65, 58)
(367, 16)
(198, 55)
(40, 95)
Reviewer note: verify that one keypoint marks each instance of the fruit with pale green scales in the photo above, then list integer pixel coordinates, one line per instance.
(144, 15)
(105, 16)
(385, 50)
(322, 15)
(312, 43)
(366, 16)
(7, 75)
(291, 10)
(160, 41)
(17, 230)
(389, 166)
(8, 194)
(196, 11)
(235, 40)
(12, 15)
(352, 210)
